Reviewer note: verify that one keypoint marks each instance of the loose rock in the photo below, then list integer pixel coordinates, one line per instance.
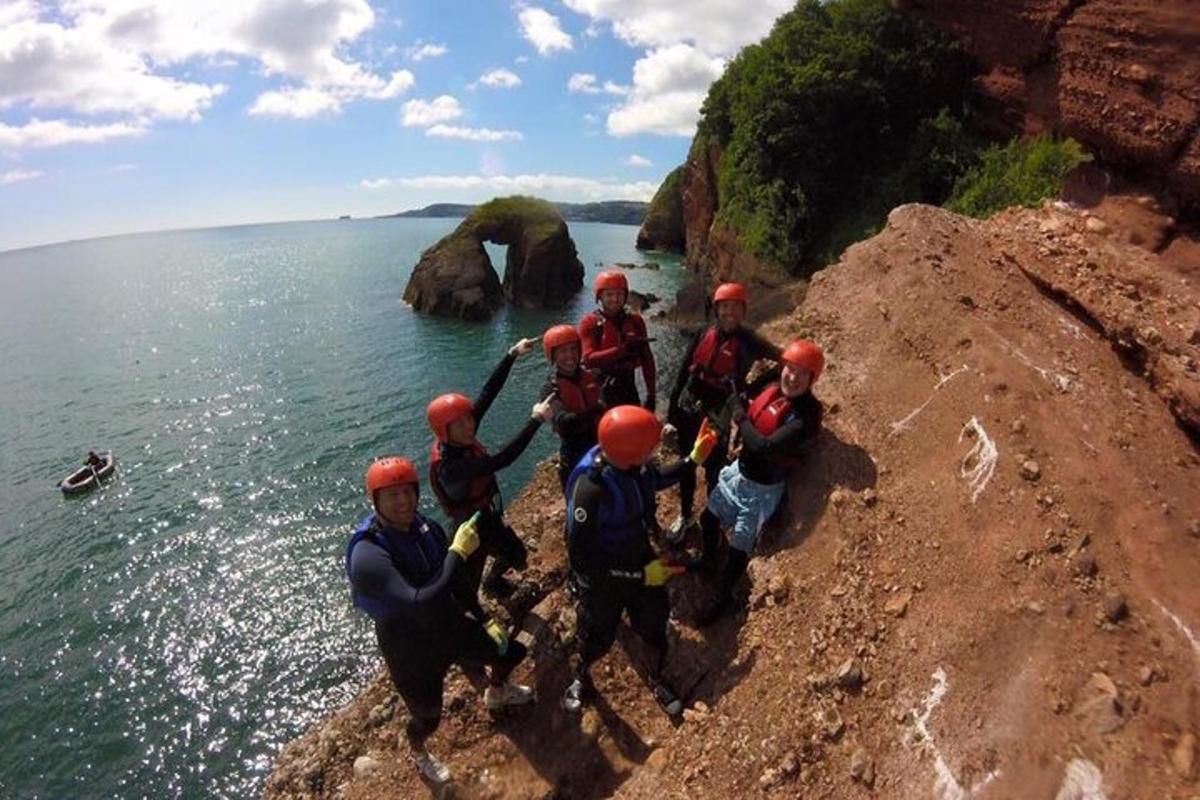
(897, 604)
(849, 674)
(364, 766)
(1183, 757)
(862, 767)
(1115, 608)
(1030, 470)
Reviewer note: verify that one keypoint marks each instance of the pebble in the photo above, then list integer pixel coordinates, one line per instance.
(1114, 607)
(897, 604)
(1030, 470)
(849, 674)
(830, 722)
(1102, 712)
(869, 498)
(1183, 756)
(1096, 225)
(364, 766)
(658, 760)
(1018, 426)
(1084, 565)
(1146, 675)
(862, 767)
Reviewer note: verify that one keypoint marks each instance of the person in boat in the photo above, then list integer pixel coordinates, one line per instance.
(613, 565)
(576, 390)
(411, 580)
(616, 345)
(714, 367)
(462, 472)
(94, 461)
(776, 432)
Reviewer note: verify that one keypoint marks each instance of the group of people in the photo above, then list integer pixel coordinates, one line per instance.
(421, 586)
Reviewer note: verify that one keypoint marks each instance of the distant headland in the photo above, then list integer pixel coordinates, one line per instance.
(617, 212)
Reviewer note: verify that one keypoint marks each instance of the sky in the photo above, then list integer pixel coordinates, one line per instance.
(119, 116)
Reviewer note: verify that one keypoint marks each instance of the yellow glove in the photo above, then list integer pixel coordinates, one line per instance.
(658, 572)
(496, 631)
(466, 538)
(706, 440)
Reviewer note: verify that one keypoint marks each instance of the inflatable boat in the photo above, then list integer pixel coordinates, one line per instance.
(86, 477)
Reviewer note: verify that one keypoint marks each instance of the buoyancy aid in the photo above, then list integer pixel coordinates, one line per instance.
(429, 541)
(606, 332)
(771, 409)
(481, 491)
(580, 392)
(622, 522)
(715, 358)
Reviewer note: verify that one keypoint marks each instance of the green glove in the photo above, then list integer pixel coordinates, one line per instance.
(466, 538)
(658, 572)
(496, 631)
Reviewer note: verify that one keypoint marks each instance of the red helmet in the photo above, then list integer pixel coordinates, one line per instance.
(730, 291)
(557, 336)
(390, 471)
(628, 435)
(611, 279)
(806, 355)
(445, 409)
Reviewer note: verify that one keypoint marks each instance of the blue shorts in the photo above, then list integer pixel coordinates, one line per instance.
(743, 506)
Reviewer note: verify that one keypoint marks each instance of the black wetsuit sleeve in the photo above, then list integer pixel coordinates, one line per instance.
(495, 382)
(682, 375)
(758, 347)
(583, 534)
(787, 440)
(458, 470)
(665, 477)
(374, 574)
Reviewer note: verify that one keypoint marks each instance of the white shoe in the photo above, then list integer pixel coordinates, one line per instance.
(431, 768)
(677, 531)
(510, 694)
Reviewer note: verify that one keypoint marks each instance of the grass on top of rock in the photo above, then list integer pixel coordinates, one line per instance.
(1020, 173)
(533, 214)
(847, 108)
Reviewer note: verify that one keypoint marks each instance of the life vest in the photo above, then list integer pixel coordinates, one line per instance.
(429, 538)
(715, 359)
(578, 393)
(624, 519)
(771, 409)
(606, 332)
(481, 490)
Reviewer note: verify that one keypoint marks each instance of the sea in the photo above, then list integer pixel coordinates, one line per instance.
(165, 635)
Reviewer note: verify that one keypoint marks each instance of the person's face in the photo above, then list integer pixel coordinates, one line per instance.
(397, 504)
(612, 300)
(566, 357)
(730, 314)
(462, 430)
(794, 381)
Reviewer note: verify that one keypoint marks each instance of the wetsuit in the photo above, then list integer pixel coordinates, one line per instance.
(426, 614)
(617, 346)
(609, 516)
(575, 422)
(463, 477)
(713, 359)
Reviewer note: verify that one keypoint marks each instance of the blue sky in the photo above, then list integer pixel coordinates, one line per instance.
(131, 115)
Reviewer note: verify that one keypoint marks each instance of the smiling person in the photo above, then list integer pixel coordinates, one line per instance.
(776, 430)
(406, 575)
(616, 345)
(715, 365)
(462, 472)
(576, 391)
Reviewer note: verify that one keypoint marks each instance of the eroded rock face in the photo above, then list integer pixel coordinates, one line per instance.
(1118, 75)
(663, 227)
(455, 277)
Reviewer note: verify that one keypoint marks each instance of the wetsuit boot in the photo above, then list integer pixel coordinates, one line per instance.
(724, 603)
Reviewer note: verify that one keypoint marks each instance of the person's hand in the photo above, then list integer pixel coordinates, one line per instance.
(523, 347)
(466, 538)
(543, 410)
(706, 441)
(658, 572)
(496, 631)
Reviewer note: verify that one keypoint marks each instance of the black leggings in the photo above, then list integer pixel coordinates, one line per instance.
(496, 539)
(599, 614)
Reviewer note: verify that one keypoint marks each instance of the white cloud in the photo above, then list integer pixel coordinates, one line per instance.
(585, 83)
(423, 113)
(715, 26)
(638, 161)
(541, 28)
(18, 175)
(297, 103)
(564, 187)
(499, 78)
(420, 51)
(130, 58)
(53, 132)
(669, 84)
(473, 134)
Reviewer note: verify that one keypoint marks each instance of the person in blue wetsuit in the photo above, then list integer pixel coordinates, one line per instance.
(406, 575)
(610, 509)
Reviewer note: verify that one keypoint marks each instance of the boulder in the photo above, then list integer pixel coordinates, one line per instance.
(542, 269)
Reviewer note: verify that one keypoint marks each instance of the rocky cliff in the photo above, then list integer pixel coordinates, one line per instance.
(542, 269)
(662, 228)
(982, 584)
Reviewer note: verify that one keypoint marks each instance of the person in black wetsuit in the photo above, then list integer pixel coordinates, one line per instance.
(610, 502)
(577, 396)
(410, 580)
(715, 365)
(463, 474)
(776, 431)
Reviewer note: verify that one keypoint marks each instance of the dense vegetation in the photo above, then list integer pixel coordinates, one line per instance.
(1016, 174)
(845, 110)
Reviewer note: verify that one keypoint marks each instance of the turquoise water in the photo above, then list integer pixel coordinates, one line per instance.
(166, 635)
